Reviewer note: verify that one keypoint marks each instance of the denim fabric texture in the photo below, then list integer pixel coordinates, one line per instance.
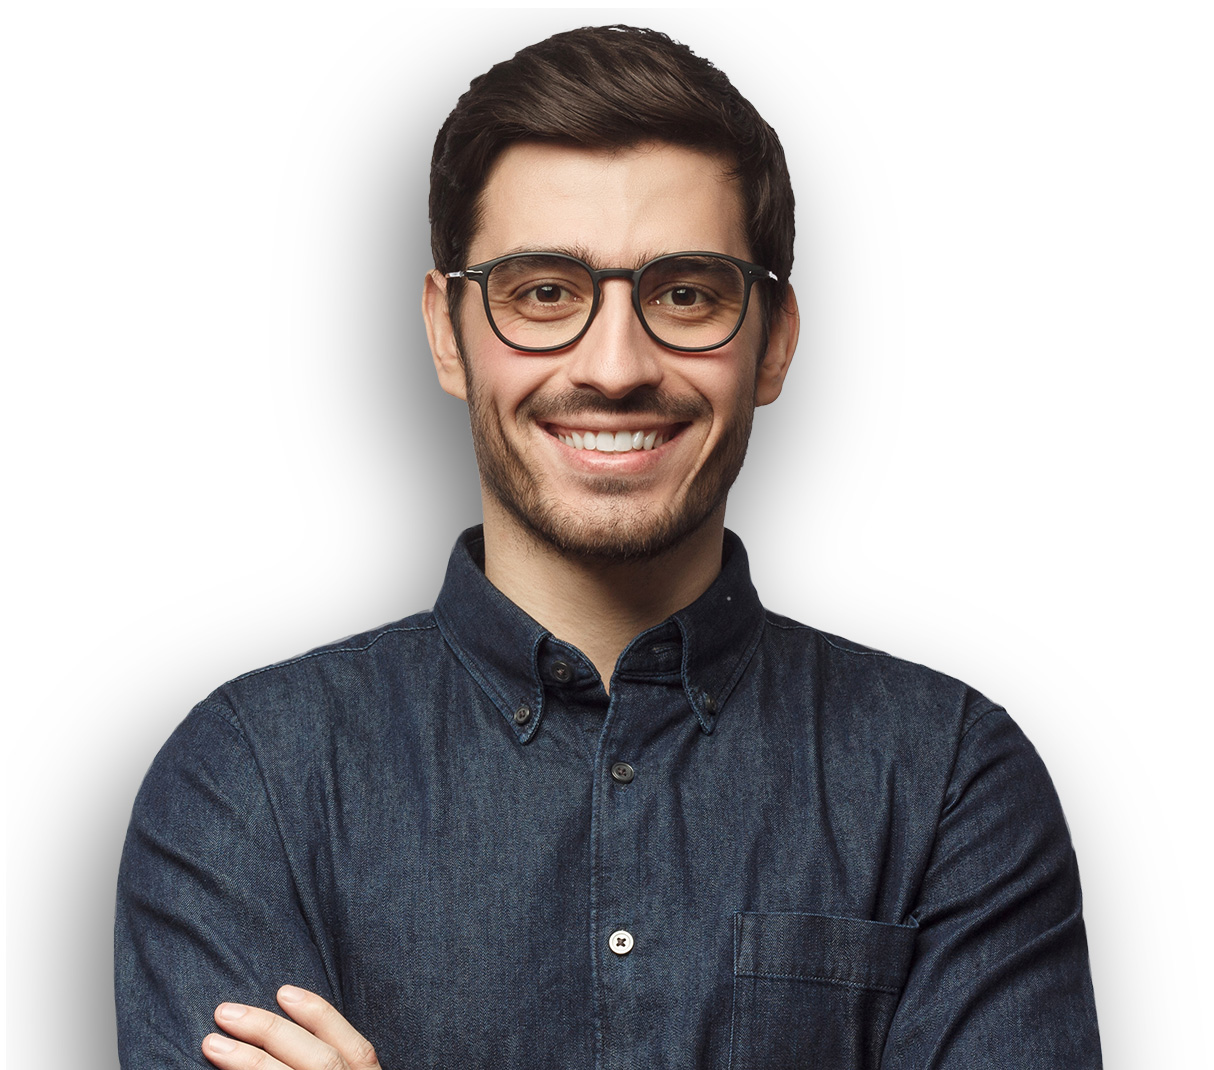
(825, 856)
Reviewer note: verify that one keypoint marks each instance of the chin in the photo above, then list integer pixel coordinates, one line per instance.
(615, 532)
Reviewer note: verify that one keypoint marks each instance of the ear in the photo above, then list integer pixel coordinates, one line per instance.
(441, 334)
(781, 344)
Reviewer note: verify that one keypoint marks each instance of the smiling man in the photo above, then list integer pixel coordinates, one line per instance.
(611, 379)
(600, 807)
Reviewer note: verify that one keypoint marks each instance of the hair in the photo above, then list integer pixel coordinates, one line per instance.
(610, 87)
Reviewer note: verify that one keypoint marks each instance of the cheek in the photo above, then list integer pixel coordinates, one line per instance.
(502, 379)
(727, 382)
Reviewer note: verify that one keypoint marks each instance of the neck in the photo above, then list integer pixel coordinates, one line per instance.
(599, 606)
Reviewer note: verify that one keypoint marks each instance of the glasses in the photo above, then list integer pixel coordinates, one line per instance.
(539, 302)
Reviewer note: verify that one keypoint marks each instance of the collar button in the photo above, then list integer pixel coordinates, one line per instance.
(522, 715)
(561, 672)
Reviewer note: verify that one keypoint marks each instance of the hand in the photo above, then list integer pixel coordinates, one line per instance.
(322, 1039)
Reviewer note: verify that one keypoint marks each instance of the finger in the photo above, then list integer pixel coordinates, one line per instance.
(229, 1054)
(274, 1041)
(322, 1019)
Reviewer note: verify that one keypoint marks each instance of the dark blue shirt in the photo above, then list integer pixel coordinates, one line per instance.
(768, 848)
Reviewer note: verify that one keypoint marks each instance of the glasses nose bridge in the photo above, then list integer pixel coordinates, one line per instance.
(602, 274)
(614, 273)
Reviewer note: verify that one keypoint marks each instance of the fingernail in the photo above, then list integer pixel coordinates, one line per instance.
(229, 1012)
(220, 1045)
(291, 994)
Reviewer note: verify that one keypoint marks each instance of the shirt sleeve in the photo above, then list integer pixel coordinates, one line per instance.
(1000, 974)
(207, 906)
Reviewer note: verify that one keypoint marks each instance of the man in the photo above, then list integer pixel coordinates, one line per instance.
(600, 808)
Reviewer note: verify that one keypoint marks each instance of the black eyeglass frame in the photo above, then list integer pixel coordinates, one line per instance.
(751, 273)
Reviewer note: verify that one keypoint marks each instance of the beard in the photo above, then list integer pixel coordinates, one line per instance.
(611, 528)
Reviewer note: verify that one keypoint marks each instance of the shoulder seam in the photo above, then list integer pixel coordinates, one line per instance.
(792, 626)
(991, 708)
(226, 715)
(849, 650)
(336, 650)
(787, 625)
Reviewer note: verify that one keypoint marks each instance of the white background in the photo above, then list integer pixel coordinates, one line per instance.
(223, 443)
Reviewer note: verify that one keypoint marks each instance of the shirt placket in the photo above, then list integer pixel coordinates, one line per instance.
(631, 801)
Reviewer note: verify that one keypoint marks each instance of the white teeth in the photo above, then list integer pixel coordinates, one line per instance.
(613, 442)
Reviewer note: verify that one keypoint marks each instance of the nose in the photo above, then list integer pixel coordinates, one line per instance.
(615, 356)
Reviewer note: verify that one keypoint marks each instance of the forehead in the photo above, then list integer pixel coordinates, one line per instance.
(620, 207)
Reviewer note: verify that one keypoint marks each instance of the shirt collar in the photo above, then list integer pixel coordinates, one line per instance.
(706, 644)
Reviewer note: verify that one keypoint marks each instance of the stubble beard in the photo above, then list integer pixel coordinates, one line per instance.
(613, 529)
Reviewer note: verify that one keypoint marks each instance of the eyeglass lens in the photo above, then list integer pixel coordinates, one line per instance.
(541, 301)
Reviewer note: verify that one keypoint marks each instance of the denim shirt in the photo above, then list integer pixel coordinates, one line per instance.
(768, 848)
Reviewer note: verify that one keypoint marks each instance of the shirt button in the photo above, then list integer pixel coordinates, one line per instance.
(620, 941)
(522, 715)
(561, 671)
(622, 773)
(710, 703)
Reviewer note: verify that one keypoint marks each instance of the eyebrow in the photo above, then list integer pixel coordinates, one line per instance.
(581, 252)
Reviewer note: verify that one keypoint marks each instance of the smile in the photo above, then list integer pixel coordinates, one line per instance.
(623, 441)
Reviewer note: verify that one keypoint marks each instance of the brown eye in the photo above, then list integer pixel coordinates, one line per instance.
(547, 294)
(682, 297)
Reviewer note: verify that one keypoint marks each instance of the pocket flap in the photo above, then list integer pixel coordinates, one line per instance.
(817, 947)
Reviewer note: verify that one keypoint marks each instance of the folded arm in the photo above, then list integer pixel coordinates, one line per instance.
(1000, 975)
(209, 909)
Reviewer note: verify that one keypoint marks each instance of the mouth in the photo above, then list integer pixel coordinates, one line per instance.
(623, 440)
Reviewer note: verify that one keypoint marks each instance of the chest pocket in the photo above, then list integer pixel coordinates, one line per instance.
(814, 991)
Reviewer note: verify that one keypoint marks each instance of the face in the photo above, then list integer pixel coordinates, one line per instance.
(669, 428)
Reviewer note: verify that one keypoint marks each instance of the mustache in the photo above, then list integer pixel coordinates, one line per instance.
(644, 401)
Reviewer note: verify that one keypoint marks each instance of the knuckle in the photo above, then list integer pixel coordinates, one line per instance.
(363, 1055)
(334, 1061)
(271, 1025)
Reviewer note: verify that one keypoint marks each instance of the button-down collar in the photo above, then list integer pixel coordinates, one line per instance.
(705, 645)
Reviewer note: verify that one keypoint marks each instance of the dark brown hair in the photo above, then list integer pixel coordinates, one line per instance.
(609, 87)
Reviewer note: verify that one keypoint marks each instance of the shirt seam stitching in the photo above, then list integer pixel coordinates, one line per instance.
(336, 650)
(992, 708)
(815, 977)
(230, 717)
(227, 718)
(794, 626)
(948, 783)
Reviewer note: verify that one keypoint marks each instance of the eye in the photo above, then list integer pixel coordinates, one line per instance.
(688, 284)
(690, 297)
(548, 293)
(546, 297)
(684, 296)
